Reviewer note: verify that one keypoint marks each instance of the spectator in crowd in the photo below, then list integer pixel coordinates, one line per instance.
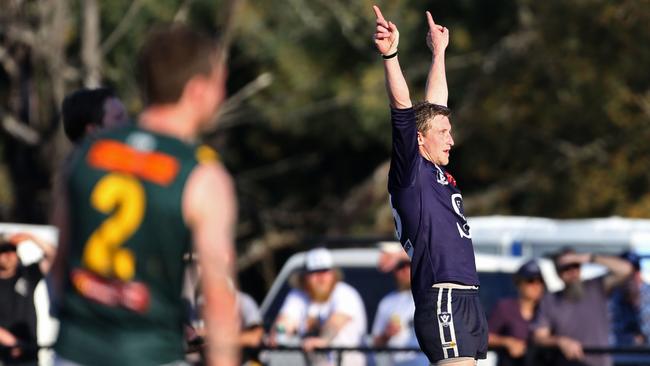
(509, 323)
(625, 306)
(86, 111)
(323, 311)
(18, 343)
(393, 325)
(251, 327)
(577, 317)
(629, 308)
(251, 331)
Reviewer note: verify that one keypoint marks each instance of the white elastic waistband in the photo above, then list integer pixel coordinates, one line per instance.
(454, 285)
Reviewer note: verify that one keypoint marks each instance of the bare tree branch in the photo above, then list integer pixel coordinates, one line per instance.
(182, 12)
(122, 28)
(20, 131)
(8, 63)
(228, 25)
(90, 51)
(225, 118)
(265, 246)
(52, 36)
(308, 17)
(347, 20)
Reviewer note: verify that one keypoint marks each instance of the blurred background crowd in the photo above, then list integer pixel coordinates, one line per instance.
(360, 299)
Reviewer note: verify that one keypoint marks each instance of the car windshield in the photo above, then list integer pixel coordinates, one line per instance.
(373, 285)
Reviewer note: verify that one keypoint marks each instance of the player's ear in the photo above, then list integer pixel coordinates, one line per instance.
(194, 88)
(420, 139)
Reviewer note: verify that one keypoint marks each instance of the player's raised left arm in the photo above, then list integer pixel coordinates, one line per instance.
(49, 250)
(437, 41)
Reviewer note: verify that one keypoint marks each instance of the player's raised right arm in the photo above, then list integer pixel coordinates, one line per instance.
(209, 206)
(437, 41)
(386, 38)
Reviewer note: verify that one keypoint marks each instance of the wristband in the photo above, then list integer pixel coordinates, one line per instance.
(388, 57)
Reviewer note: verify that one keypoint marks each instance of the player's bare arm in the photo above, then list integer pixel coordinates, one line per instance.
(334, 324)
(570, 348)
(386, 38)
(437, 41)
(619, 269)
(210, 209)
(49, 250)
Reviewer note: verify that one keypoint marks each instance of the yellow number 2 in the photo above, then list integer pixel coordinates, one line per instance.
(123, 198)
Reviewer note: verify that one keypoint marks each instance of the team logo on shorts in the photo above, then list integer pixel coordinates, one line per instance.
(444, 319)
(451, 344)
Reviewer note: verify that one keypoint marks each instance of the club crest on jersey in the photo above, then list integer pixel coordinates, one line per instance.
(441, 177)
(444, 318)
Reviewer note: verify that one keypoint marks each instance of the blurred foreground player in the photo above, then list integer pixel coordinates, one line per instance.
(428, 208)
(136, 197)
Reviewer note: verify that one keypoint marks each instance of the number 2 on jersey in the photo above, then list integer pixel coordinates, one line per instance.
(123, 198)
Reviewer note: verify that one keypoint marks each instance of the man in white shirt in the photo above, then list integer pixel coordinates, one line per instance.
(323, 311)
(393, 325)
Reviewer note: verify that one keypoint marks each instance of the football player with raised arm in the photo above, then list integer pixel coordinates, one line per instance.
(449, 321)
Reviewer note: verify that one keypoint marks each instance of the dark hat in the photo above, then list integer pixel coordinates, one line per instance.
(633, 258)
(7, 247)
(530, 269)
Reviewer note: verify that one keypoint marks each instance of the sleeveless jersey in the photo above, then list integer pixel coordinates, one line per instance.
(122, 299)
(428, 210)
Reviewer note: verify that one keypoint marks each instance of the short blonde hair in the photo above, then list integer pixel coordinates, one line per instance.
(425, 112)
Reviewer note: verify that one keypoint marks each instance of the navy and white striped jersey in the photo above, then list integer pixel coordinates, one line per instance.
(428, 211)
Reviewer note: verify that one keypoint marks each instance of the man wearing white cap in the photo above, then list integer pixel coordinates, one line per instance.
(323, 311)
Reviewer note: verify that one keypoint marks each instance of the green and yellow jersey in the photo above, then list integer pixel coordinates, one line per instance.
(124, 272)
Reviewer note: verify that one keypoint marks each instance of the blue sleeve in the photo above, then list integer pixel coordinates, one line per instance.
(405, 155)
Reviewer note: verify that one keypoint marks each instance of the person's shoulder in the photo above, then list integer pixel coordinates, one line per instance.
(244, 297)
(346, 293)
(297, 295)
(550, 299)
(345, 289)
(211, 179)
(388, 298)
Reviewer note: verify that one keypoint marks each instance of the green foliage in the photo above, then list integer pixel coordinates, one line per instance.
(551, 101)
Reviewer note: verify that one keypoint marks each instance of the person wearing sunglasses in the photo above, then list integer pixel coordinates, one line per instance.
(509, 323)
(577, 316)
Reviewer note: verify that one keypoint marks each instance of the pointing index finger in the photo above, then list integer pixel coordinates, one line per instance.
(378, 14)
(432, 24)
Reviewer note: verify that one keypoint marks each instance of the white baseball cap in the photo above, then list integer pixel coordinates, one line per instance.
(318, 259)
